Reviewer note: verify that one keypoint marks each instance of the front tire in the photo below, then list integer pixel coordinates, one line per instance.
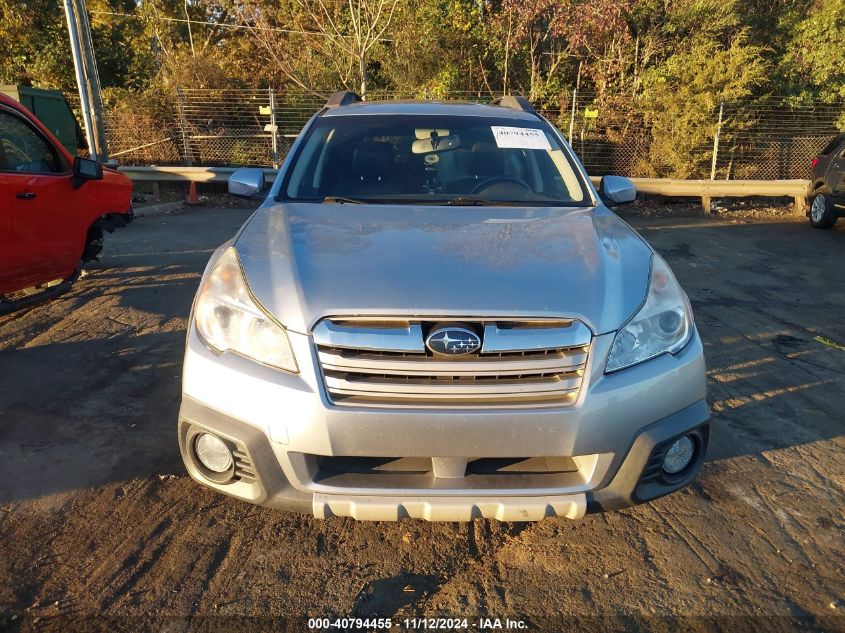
(93, 245)
(821, 211)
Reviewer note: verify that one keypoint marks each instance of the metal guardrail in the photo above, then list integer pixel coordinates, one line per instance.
(705, 190)
(186, 174)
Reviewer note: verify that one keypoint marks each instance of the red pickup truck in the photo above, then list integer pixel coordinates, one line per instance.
(54, 209)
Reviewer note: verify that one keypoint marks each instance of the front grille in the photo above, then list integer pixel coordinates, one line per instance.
(385, 363)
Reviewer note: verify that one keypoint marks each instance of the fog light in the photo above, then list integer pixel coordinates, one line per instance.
(679, 455)
(213, 453)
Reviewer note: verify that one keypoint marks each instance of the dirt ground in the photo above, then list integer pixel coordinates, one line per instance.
(101, 527)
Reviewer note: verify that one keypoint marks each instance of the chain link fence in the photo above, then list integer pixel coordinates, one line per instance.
(766, 138)
(774, 139)
(761, 138)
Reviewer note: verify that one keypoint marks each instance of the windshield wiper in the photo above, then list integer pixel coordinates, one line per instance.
(462, 201)
(341, 200)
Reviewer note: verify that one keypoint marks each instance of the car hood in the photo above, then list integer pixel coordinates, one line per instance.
(307, 261)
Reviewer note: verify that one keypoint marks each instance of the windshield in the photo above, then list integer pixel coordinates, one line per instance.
(432, 160)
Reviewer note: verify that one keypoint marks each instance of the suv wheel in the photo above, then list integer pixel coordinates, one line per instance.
(821, 211)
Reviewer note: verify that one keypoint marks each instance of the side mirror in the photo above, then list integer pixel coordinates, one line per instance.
(615, 190)
(247, 182)
(85, 169)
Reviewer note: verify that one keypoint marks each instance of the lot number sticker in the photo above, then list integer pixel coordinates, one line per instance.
(520, 137)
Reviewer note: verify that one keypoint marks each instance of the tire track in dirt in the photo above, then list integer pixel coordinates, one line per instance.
(139, 567)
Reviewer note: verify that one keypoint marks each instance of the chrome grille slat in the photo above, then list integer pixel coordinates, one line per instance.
(456, 397)
(479, 366)
(398, 337)
(516, 339)
(523, 367)
(433, 388)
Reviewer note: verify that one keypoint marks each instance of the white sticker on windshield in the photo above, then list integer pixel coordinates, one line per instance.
(520, 137)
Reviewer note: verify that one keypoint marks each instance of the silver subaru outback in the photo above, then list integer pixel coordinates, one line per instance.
(434, 314)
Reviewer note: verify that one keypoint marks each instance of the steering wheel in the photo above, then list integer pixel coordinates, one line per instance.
(488, 182)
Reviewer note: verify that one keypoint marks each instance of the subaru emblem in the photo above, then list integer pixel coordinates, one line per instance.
(452, 340)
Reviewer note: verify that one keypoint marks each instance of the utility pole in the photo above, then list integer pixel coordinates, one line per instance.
(716, 142)
(574, 99)
(274, 129)
(87, 79)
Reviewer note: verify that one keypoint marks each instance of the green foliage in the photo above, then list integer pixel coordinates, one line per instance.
(681, 96)
(435, 48)
(35, 35)
(34, 41)
(815, 62)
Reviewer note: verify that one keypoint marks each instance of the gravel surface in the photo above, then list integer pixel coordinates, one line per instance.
(100, 527)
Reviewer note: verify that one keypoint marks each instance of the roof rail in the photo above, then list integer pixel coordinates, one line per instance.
(344, 97)
(514, 102)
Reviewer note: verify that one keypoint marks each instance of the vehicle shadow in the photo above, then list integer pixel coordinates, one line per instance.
(77, 416)
(384, 597)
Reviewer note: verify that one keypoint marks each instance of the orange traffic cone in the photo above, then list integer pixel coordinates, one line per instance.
(193, 198)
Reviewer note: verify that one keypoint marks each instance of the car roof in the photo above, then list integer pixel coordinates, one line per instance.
(7, 100)
(419, 108)
(833, 145)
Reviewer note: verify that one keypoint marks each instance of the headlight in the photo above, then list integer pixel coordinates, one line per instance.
(663, 324)
(227, 318)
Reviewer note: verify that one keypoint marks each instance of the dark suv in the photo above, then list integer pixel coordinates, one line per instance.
(827, 197)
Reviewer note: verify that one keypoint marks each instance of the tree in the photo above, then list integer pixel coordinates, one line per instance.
(681, 97)
(340, 35)
(534, 28)
(36, 45)
(598, 35)
(814, 62)
(434, 49)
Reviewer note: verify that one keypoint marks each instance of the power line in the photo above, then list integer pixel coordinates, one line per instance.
(221, 24)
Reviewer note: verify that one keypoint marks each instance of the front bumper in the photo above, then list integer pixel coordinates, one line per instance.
(283, 425)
